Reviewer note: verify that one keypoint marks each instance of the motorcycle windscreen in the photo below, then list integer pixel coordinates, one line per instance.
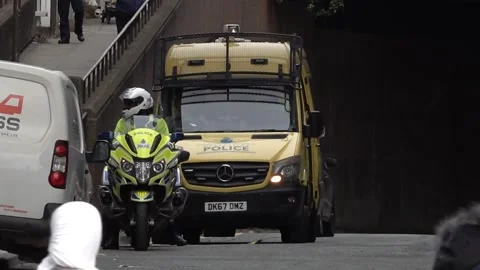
(145, 121)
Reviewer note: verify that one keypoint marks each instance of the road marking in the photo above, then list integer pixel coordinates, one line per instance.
(256, 242)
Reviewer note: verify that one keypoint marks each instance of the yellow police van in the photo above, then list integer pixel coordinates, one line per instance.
(244, 104)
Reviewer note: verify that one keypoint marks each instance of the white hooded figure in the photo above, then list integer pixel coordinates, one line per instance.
(76, 234)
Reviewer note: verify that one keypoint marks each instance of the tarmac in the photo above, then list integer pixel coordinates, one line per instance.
(76, 58)
(264, 251)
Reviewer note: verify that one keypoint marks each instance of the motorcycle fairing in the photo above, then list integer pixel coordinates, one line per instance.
(141, 196)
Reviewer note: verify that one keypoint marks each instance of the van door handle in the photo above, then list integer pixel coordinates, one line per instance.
(86, 171)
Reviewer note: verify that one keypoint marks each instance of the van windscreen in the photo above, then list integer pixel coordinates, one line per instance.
(24, 110)
(238, 110)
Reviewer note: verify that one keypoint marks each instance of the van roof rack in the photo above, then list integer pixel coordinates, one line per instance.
(226, 77)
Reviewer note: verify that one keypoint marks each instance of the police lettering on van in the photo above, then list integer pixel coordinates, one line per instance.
(8, 122)
(217, 148)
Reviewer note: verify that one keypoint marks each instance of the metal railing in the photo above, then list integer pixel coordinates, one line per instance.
(118, 47)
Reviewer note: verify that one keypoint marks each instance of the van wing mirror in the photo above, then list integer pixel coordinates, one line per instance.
(330, 163)
(100, 153)
(315, 126)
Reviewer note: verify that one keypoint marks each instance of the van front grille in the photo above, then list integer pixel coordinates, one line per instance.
(225, 174)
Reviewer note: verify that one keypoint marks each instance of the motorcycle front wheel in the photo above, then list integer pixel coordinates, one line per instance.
(141, 235)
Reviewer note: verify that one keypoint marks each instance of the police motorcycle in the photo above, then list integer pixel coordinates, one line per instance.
(140, 190)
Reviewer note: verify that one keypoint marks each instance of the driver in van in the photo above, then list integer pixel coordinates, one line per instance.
(138, 101)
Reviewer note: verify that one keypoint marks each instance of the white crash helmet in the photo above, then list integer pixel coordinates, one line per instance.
(135, 99)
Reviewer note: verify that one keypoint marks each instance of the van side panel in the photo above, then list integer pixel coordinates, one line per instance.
(77, 186)
(26, 149)
(24, 113)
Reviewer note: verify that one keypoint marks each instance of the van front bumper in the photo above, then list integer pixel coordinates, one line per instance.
(271, 207)
(14, 228)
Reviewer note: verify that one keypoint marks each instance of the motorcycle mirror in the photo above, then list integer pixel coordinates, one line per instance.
(100, 153)
(183, 156)
(176, 136)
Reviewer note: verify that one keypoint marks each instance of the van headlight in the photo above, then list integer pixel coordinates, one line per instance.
(286, 169)
(142, 171)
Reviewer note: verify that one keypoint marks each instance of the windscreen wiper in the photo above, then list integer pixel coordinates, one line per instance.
(209, 131)
(267, 130)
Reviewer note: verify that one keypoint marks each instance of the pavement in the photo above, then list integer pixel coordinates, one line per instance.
(76, 58)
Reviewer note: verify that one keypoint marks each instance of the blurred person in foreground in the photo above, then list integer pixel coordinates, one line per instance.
(76, 233)
(458, 241)
(124, 12)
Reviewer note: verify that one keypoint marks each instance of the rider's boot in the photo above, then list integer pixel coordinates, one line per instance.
(175, 238)
(111, 235)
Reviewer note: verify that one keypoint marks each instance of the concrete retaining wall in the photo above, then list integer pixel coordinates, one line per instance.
(400, 114)
(24, 31)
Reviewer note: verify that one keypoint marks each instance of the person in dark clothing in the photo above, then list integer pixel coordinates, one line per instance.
(63, 12)
(124, 12)
(458, 241)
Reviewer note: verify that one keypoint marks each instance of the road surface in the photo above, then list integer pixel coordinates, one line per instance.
(265, 251)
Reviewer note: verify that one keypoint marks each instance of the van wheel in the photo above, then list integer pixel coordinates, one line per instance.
(329, 226)
(141, 235)
(298, 231)
(192, 236)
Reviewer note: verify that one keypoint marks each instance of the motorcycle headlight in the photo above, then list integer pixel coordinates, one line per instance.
(286, 169)
(158, 167)
(142, 170)
(127, 166)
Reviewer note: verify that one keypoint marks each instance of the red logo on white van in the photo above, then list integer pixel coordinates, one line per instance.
(12, 109)
(8, 107)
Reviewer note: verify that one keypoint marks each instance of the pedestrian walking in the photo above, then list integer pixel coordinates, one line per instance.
(458, 241)
(124, 12)
(63, 11)
(76, 234)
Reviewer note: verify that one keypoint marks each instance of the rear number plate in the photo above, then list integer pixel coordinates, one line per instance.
(225, 206)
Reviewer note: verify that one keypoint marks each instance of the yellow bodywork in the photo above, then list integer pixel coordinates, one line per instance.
(239, 55)
(161, 154)
(242, 147)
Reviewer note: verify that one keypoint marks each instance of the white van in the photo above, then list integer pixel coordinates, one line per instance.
(42, 151)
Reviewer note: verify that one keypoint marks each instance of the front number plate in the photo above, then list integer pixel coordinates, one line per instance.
(225, 206)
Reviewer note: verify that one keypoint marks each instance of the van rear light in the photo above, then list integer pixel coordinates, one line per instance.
(58, 172)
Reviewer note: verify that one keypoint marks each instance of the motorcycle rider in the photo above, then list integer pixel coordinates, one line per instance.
(138, 101)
